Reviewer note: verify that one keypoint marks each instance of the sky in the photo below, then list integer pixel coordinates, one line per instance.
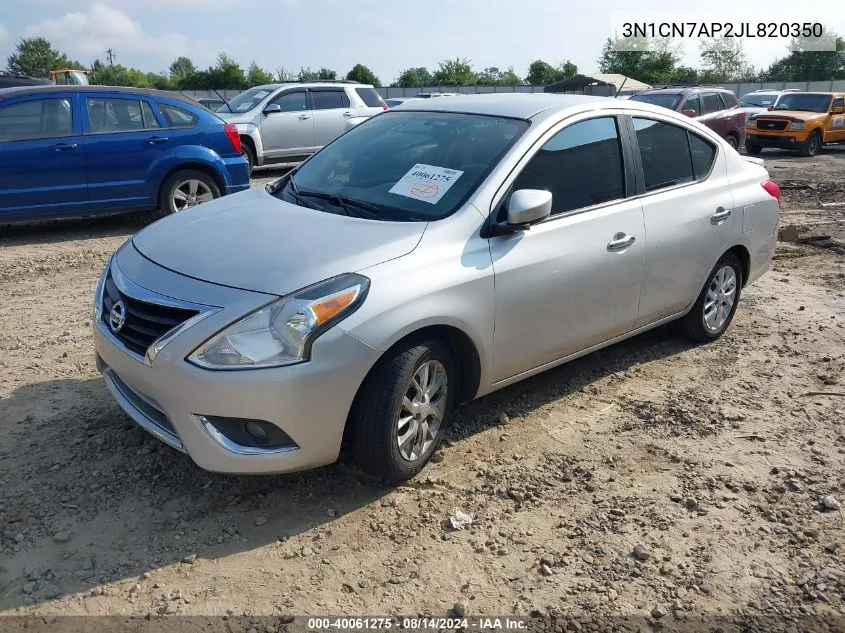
(385, 35)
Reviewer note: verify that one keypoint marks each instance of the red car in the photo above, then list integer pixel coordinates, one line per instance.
(717, 108)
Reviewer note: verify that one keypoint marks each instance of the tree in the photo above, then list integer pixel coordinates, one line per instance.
(257, 76)
(283, 75)
(36, 57)
(182, 68)
(306, 74)
(806, 63)
(226, 74)
(723, 59)
(455, 72)
(491, 76)
(510, 78)
(363, 75)
(653, 61)
(414, 78)
(541, 73)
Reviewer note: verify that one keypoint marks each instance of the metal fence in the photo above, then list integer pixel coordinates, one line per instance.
(833, 85)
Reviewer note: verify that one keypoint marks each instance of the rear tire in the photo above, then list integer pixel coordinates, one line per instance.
(186, 188)
(249, 154)
(717, 303)
(751, 148)
(812, 145)
(392, 409)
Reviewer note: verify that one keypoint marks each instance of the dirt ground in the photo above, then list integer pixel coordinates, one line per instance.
(652, 480)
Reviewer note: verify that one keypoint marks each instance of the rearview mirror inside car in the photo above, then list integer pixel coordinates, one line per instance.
(689, 113)
(527, 207)
(272, 108)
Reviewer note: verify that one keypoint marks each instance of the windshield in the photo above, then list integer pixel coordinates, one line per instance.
(803, 102)
(667, 100)
(407, 166)
(757, 101)
(247, 100)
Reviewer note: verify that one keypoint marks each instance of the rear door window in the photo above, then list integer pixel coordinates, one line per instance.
(693, 103)
(665, 153)
(728, 99)
(117, 115)
(177, 117)
(710, 102)
(36, 118)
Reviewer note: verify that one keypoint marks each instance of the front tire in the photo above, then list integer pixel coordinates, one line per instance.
(249, 154)
(716, 305)
(733, 141)
(403, 410)
(752, 149)
(185, 189)
(812, 145)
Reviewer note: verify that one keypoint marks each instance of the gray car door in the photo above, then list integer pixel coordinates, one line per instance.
(332, 108)
(289, 132)
(688, 210)
(572, 281)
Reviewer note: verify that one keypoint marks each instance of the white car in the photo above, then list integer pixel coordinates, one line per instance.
(761, 100)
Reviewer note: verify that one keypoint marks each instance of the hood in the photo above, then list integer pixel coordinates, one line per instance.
(791, 115)
(254, 241)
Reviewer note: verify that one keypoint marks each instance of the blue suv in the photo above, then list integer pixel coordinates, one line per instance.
(80, 150)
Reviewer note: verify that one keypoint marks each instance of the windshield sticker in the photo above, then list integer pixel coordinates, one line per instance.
(426, 182)
(243, 107)
(261, 94)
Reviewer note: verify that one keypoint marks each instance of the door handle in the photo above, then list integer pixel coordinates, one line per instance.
(721, 214)
(620, 242)
(157, 140)
(303, 117)
(63, 147)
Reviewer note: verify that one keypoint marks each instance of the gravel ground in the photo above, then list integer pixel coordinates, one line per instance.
(654, 480)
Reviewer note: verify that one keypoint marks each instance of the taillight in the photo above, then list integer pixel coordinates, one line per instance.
(385, 106)
(773, 190)
(234, 138)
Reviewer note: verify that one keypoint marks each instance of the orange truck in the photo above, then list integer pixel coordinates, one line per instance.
(802, 121)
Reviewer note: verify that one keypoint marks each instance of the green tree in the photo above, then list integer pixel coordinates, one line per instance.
(455, 72)
(182, 68)
(653, 61)
(283, 75)
(363, 75)
(257, 76)
(806, 64)
(414, 78)
(510, 78)
(541, 73)
(723, 59)
(306, 74)
(226, 74)
(491, 76)
(36, 57)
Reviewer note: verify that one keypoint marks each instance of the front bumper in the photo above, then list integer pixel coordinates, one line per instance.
(169, 397)
(792, 140)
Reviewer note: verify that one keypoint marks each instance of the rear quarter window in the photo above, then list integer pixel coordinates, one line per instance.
(178, 117)
(729, 99)
(370, 97)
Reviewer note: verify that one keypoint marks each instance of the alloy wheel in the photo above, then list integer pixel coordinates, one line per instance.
(422, 410)
(190, 193)
(719, 302)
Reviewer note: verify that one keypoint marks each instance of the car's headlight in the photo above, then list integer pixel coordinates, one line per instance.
(281, 333)
(98, 293)
(796, 125)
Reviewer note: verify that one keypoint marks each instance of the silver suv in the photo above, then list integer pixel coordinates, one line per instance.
(283, 124)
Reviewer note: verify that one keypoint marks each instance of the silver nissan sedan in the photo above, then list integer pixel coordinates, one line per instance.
(427, 257)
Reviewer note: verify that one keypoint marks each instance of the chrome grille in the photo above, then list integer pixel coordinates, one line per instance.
(770, 124)
(144, 322)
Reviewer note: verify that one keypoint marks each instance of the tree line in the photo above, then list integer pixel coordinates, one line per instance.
(652, 61)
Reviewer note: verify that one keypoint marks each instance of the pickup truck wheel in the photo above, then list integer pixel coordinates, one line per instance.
(732, 140)
(716, 305)
(185, 189)
(403, 409)
(751, 148)
(812, 145)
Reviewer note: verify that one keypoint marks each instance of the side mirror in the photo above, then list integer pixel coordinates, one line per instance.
(272, 108)
(527, 207)
(689, 113)
(838, 111)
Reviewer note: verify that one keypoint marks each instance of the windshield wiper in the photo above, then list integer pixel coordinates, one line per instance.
(294, 191)
(350, 206)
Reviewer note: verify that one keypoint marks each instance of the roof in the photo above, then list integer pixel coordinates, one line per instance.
(578, 82)
(7, 93)
(517, 105)
(684, 88)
